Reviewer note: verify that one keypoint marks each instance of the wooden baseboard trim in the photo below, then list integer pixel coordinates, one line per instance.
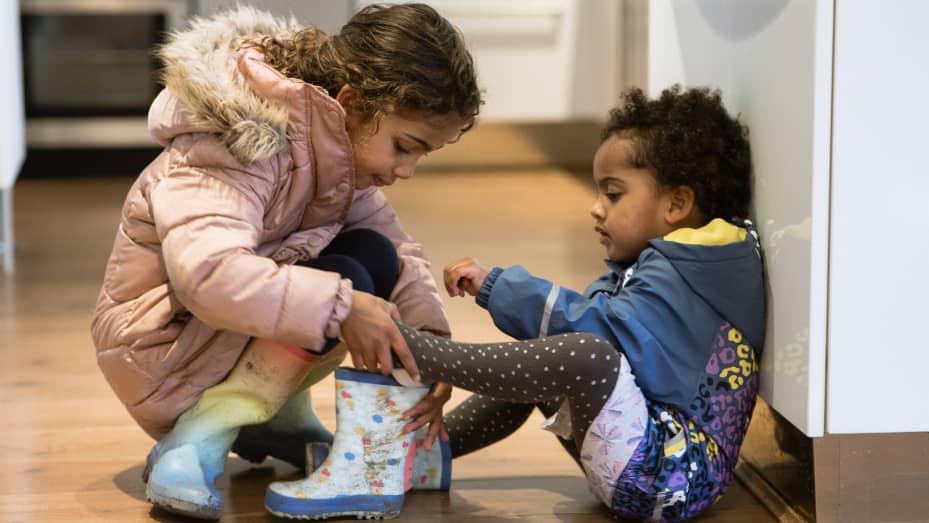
(755, 483)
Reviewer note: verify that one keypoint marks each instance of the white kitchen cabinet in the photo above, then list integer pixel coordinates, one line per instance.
(541, 60)
(538, 61)
(12, 126)
(834, 94)
(328, 15)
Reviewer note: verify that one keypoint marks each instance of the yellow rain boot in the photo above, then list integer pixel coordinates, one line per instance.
(182, 468)
(287, 434)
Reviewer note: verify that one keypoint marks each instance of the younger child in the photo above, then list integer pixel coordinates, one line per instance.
(655, 363)
(258, 237)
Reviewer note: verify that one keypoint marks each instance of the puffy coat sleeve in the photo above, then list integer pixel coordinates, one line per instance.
(209, 223)
(647, 321)
(416, 294)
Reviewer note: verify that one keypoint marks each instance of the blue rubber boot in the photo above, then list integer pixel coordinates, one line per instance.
(181, 470)
(368, 470)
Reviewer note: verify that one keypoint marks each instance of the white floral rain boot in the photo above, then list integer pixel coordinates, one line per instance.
(369, 467)
(432, 469)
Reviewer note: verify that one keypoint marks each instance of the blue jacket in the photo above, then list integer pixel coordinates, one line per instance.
(663, 312)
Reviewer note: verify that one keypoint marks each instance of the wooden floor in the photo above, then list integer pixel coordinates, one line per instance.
(69, 452)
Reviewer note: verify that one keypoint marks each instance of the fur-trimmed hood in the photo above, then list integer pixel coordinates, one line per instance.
(200, 71)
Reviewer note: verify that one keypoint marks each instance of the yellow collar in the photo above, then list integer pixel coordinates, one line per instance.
(717, 232)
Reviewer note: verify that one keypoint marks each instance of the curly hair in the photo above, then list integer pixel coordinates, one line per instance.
(686, 137)
(403, 57)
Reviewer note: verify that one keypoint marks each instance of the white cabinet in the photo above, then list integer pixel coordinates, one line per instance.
(538, 61)
(12, 125)
(541, 60)
(834, 94)
(328, 15)
(878, 280)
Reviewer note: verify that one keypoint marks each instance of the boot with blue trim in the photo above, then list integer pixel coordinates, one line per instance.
(432, 469)
(181, 470)
(370, 464)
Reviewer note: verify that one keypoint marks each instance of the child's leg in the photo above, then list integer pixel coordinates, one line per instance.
(579, 367)
(374, 252)
(182, 468)
(480, 421)
(286, 435)
(370, 260)
(607, 409)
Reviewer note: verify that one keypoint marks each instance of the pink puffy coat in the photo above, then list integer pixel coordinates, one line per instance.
(256, 173)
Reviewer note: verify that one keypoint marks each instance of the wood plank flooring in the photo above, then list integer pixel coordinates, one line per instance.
(69, 452)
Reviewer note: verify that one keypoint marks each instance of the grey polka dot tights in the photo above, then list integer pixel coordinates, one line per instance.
(479, 422)
(579, 367)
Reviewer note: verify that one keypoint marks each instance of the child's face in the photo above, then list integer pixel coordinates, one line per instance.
(630, 208)
(388, 147)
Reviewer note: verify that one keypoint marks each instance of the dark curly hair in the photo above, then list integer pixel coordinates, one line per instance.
(686, 137)
(398, 57)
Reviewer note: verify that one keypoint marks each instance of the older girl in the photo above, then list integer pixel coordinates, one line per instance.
(258, 237)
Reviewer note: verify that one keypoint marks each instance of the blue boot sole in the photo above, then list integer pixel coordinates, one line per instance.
(361, 506)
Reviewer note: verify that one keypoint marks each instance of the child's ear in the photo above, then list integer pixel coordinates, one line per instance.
(682, 206)
(346, 96)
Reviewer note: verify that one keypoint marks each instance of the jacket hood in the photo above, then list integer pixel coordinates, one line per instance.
(200, 70)
(721, 262)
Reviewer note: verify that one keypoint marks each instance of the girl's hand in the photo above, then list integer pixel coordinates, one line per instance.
(429, 410)
(371, 335)
(465, 276)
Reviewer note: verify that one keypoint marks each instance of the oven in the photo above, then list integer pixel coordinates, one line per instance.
(89, 74)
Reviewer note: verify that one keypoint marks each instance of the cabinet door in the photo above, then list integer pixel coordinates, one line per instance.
(878, 352)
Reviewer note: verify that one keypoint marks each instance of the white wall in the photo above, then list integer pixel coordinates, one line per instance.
(772, 61)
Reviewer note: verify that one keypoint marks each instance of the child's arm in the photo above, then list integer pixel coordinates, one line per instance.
(372, 336)
(650, 320)
(209, 225)
(521, 304)
(465, 276)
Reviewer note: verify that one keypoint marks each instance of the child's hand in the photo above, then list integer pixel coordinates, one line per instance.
(465, 276)
(429, 410)
(370, 333)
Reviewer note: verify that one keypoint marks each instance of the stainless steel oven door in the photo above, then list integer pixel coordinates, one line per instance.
(89, 73)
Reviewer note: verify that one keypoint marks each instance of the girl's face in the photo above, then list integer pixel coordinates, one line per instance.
(387, 147)
(630, 208)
